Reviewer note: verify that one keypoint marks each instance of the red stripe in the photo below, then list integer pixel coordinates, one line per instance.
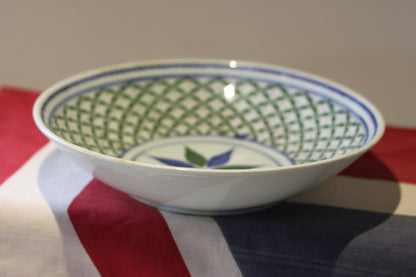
(19, 137)
(122, 236)
(393, 158)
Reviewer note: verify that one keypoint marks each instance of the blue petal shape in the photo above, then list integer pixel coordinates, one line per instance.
(240, 136)
(220, 159)
(172, 162)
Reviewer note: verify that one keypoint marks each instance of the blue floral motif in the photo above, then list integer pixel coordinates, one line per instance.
(173, 162)
(197, 160)
(220, 159)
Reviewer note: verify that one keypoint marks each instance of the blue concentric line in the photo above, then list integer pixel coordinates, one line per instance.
(208, 66)
(109, 84)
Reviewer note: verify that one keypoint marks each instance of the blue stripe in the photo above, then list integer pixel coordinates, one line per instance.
(312, 240)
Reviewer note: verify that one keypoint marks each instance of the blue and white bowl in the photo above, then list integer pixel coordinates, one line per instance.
(207, 136)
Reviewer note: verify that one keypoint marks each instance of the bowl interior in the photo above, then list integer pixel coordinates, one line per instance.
(209, 115)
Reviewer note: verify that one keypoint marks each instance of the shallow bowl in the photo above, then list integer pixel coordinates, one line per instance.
(207, 136)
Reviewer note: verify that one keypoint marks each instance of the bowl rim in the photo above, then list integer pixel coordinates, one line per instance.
(41, 99)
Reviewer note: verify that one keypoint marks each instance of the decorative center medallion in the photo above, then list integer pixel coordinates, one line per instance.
(213, 152)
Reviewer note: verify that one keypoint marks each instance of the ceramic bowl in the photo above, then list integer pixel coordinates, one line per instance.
(207, 136)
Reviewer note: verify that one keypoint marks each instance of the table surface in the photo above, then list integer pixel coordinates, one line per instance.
(55, 220)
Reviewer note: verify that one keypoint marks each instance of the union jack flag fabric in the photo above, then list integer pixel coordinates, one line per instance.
(57, 220)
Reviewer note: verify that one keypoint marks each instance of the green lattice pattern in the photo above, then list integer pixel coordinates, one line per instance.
(305, 126)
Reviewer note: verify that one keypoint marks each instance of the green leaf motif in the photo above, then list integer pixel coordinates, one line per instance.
(236, 166)
(194, 157)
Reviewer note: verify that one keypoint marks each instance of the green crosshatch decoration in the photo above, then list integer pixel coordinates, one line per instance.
(306, 127)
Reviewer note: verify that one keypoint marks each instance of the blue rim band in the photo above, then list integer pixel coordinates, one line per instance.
(222, 66)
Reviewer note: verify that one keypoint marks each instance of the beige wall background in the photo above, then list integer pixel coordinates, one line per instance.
(368, 45)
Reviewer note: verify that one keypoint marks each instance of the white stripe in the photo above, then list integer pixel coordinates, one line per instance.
(33, 240)
(363, 194)
(202, 245)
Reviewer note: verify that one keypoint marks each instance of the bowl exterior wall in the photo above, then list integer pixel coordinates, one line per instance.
(204, 193)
